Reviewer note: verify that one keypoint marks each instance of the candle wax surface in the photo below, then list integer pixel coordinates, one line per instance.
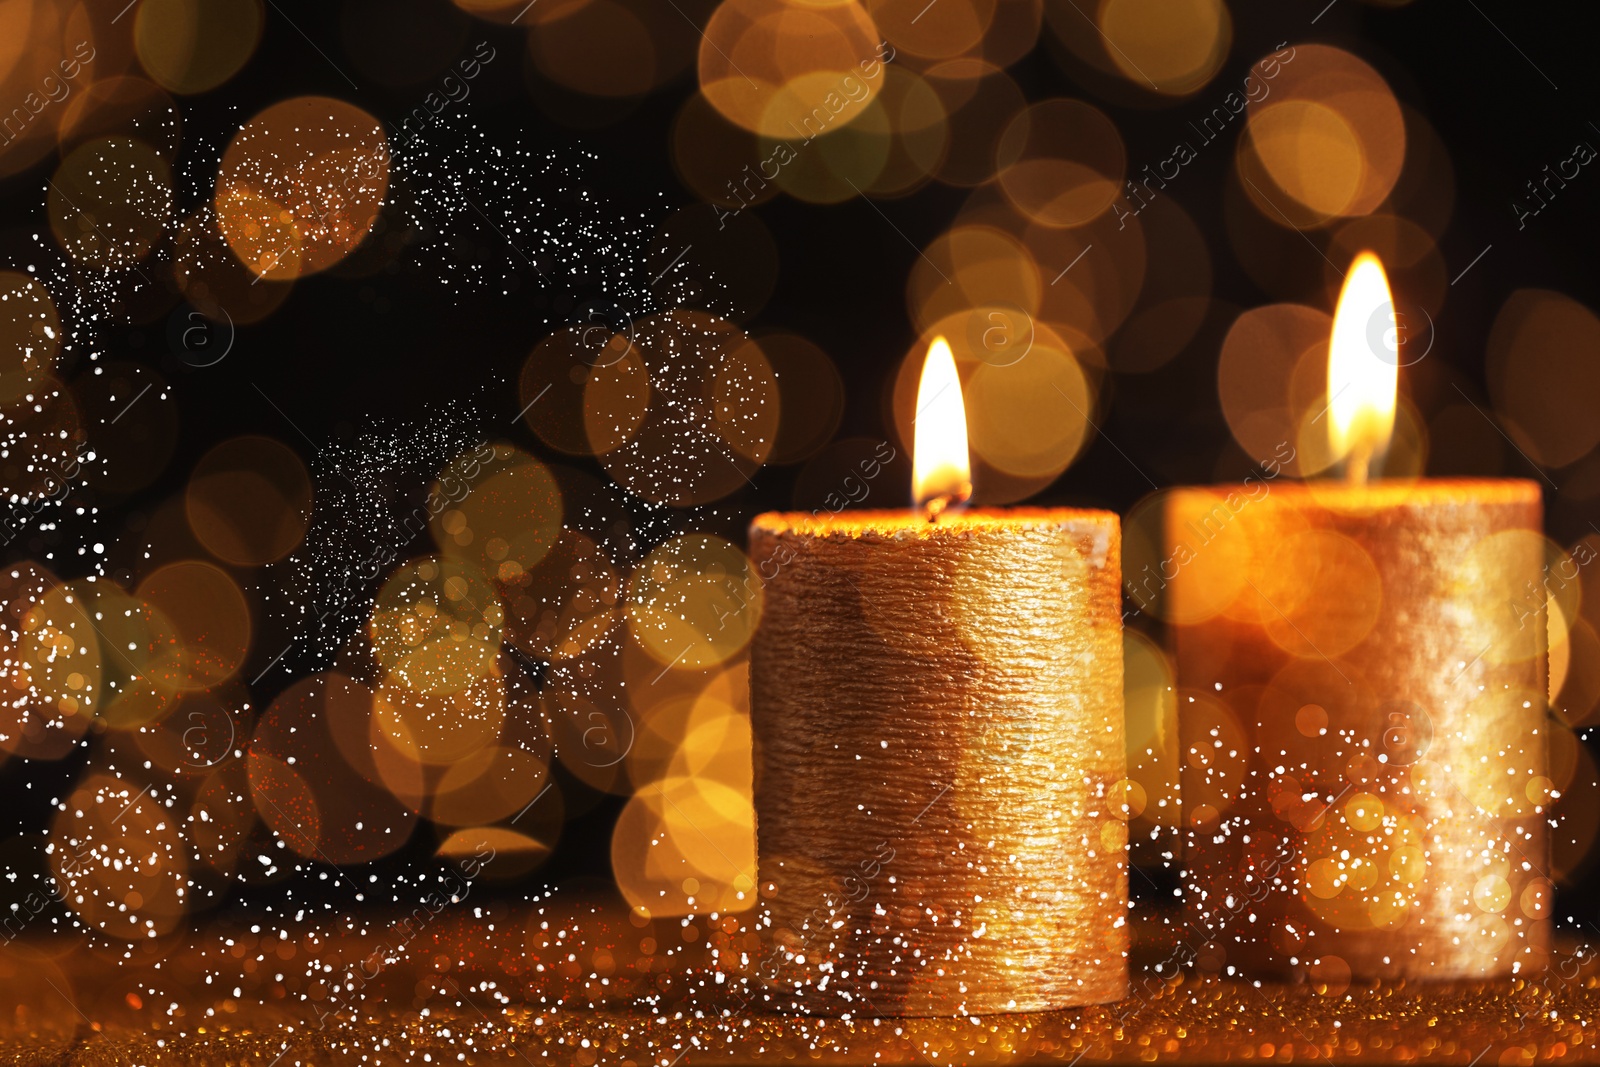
(1362, 726)
(937, 716)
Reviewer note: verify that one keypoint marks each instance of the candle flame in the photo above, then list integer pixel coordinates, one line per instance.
(941, 472)
(1363, 368)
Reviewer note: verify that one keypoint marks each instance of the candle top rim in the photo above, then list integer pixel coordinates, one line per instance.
(1390, 492)
(906, 522)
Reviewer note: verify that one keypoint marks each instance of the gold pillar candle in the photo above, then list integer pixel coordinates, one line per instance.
(1362, 687)
(937, 714)
(936, 705)
(1361, 726)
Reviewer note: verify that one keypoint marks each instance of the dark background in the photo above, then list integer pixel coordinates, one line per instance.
(1509, 88)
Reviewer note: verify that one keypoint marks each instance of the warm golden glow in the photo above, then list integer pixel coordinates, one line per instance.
(1363, 368)
(941, 472)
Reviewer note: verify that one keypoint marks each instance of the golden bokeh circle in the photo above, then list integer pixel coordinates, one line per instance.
(53, 661)
(1498, 751)
(711, 410)
(554, 389)
(972, 266)
(215, 282)
(789, 68)
(190, 46)
(1032, 417)
(305, 788)
(210, 616)
(1173, 48)
(1327, 141)
(119, 858)
(685, 846)
(695, 601)
(565, 605)
(1544, 362)
(1256, 378)
(249, 500)
(1510, 621)
(110, 201)
(301, 185)
(443, 728)
(436, 625)
(496, 509)
(1061, 162)
(1215, 751)
(152, 659)
(1310, 152)
(960, 28)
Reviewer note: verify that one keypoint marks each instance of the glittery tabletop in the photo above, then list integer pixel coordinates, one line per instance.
(570, 982)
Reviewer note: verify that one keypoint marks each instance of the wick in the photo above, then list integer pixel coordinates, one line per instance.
(935, 506)
(1360, 465)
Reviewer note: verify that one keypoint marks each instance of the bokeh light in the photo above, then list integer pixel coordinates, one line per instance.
(1319, 592)
(972, 266)
(958, 30)
(684, 846)
(1544, 361)
(566, 604)
(720, 161)
(41, 59)
(1266, 397)
(1174, 48)
(695, 601)
(614, 48)
(51, 661)
(499, 517)
(1138, 52)
(1327, 141)
(304, 789)
(209, 616)
(214, 281)
(436, 625)
(811, 396)
(790, 69)
(249, 500)
(443, 728)
(1061, 162)
(711, 416)
(190, 46)
(119, 858)
(301, 185)
(145, 659)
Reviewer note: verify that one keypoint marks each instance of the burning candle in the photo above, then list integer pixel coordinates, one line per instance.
(936, 702)
(1362, 703)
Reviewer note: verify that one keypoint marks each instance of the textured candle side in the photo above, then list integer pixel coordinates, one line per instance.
(938, 726)
(1361, 722)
